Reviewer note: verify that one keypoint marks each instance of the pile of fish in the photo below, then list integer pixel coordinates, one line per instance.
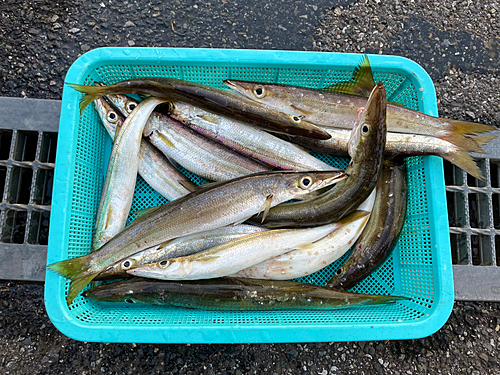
(234, 242)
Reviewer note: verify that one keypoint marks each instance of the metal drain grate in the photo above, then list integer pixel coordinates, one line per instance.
(474, 218)
(27, 157)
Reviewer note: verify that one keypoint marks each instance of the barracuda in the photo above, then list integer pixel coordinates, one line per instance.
(213, 207)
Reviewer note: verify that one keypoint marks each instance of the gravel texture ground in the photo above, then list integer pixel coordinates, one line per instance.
(457, 42)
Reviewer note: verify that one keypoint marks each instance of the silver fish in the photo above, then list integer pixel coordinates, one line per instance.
(119, 185)
(212, 207)
(232, 256)
(197, 153)
(178, 247)
(154, 168)
(247, 139)
(302, 262)
(397, 144)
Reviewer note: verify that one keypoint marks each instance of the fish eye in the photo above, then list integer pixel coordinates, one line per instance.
(112, 117)
(126, 264)
(164, 263)
(259, 91)
(129, 300)
(365, 129)
(305, 182)
(131, 106)
(296, 119)
(339, 271)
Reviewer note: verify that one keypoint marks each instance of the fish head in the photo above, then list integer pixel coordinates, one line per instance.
(120, 269)
(266, 94)
(158, 270)
(368, 135)
(252, 90)
(122, 103)
(181, 111)
(300, 183)
(110, 118)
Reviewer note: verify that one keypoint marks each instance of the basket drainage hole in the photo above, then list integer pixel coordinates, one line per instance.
(5, 140)
(26, 144)
(20, 185)
(14, 226)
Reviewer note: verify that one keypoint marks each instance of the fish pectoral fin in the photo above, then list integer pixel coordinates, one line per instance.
(165, 140)
(361, 83)
(118, 128)
(145, 211)
(165, 244)
(209, 185)
(266, 207)
(305, 246)
(189, 186)
(109, 215)
(209, 118)
(301, 110)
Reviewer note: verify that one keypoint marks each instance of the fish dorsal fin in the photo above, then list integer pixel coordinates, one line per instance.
(304, 111)
(361, 83)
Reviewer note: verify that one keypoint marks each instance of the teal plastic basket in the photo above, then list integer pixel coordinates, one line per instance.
(419, 269)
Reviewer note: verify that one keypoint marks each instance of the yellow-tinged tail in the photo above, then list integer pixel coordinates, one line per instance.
(77, 271)
(92, 93)
(464, 135)
(481, 140)
(463, 160)
(470, 128)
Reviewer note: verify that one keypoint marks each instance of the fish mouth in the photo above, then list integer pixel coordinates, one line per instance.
(139, 271)
(376, 106)
(236, 85)
(332, 180)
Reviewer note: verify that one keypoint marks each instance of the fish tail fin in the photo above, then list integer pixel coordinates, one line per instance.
(463, 160)
(92, 93)
(78, 283)
(463, 134)
(470, 128)
(481, 140)
(75, 270)
(463, 142)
